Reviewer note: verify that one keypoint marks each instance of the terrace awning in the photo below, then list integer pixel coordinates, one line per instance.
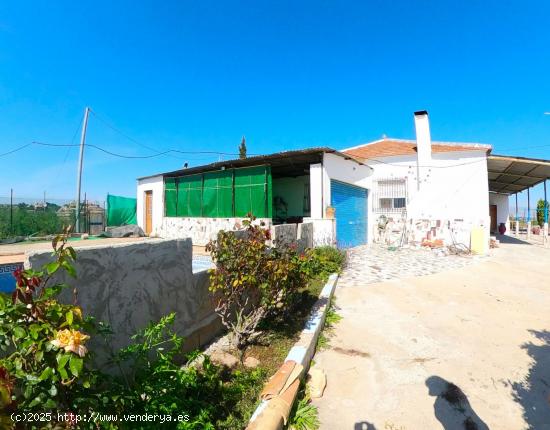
(510, 175)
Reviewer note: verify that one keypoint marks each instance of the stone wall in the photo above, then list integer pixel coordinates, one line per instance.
(200, 230)
(416, 230)
(129, 285)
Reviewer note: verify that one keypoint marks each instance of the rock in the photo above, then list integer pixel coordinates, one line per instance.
(317, 381)
(224, 359)
(251, 362)
(85, 236)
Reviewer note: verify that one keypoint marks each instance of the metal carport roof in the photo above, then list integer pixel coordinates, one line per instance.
(510, 175)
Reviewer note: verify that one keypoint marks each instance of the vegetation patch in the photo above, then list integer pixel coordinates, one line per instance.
(47, 366)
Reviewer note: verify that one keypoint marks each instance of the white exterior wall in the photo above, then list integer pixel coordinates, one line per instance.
(503, 208)
(337, 168)
(452, 188)
(156, 185)
(340, 169)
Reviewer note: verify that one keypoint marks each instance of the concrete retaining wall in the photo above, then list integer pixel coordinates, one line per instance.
(129, 285)
(301, 234)
(323, 231)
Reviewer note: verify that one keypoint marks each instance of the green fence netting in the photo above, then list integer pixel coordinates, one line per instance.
(221, 194)
(121, 210)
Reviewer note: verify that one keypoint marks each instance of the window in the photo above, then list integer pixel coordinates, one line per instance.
(390, 195)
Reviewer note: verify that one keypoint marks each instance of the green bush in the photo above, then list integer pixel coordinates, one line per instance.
(155, 382)
(253, 281)
(540, 211)
(44, 363)
(325, 260)
(45, 367)
(26, 220)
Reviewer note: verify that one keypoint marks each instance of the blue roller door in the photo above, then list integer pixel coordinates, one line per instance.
(350, 203)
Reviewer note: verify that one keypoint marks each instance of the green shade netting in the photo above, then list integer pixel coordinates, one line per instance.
(189, 196)
(253, 191)
(217, 194)
(121, 210)
(170, 197)
(220, 194)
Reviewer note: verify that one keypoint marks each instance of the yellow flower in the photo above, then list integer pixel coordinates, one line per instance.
(71, 340)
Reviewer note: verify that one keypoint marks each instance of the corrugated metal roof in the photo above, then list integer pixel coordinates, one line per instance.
(303, 155)
(510, 175)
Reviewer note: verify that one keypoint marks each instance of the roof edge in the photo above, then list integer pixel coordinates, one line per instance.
(261, 159)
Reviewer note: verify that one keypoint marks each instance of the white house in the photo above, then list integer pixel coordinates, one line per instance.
(292, 187)
(426, 190)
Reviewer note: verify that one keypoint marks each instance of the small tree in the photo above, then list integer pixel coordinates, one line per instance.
(540, 211)
(242, 148)
(252, 281)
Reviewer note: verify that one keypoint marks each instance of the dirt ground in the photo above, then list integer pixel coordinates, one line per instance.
(467, 348)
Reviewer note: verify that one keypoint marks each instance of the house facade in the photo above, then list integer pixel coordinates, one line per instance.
(391, 190)
(292, 188)
(427, 190)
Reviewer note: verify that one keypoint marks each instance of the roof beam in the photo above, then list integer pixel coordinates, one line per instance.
(516, 175)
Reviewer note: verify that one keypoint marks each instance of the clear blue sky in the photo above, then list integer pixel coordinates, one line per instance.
(287, 74)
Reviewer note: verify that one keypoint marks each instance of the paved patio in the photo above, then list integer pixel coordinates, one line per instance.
(467, 347)
(375, 263)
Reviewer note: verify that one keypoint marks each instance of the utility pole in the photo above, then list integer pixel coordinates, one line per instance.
(11, 211)
(79, 172)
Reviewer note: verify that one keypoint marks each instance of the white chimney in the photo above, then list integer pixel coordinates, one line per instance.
(423, 139)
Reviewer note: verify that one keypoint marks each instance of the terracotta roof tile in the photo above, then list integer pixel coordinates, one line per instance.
(392, 147)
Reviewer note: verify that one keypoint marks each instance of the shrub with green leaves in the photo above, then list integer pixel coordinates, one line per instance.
(253, 281)
(325, 260)
(153, 380)
(44, 363)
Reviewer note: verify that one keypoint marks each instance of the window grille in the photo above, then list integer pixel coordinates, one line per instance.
(390, 195)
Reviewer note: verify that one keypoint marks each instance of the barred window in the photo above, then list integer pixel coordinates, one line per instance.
(390, 195)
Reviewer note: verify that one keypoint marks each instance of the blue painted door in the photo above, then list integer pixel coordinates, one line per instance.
(350, 204)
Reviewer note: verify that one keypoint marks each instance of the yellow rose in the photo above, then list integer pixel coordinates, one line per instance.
(71, 341)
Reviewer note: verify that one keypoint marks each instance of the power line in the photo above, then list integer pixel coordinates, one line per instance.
(114, 154)
(16, 149)
(116, 129)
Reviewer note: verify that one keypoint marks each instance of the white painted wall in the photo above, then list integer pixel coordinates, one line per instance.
(350, 172)
(503, 207)
(453, 189)
(453, 186)
(316, 183)
(340, 169)
(156, 185)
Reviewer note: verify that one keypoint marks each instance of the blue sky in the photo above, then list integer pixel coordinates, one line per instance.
(199, 75)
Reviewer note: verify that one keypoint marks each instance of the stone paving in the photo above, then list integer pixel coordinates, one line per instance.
(376, 263)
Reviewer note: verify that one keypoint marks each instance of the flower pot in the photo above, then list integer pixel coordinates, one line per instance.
(502, 228)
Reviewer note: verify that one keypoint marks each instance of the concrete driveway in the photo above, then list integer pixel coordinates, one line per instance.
(465, 348)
